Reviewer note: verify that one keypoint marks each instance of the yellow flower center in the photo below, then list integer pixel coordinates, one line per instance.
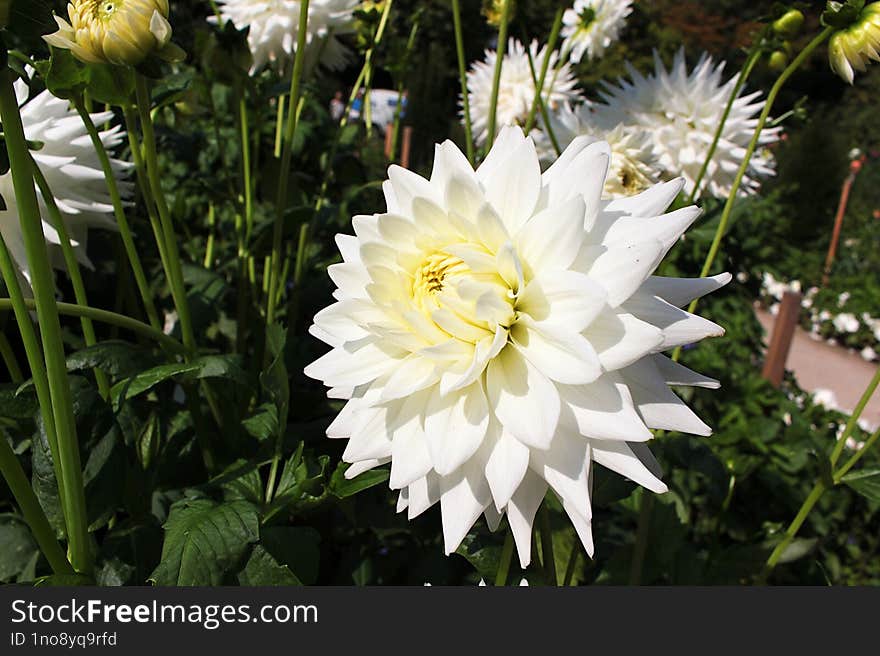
(430, 276)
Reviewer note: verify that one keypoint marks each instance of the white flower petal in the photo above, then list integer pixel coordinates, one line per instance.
(455, 426)
(619, 457)
(521, 511)
(563, 356)
(506, 467)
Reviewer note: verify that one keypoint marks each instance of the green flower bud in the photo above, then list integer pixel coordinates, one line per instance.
(789, 24)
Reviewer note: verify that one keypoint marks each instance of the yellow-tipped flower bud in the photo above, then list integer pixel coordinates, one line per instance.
(122, 32)
(852, 47)
(789, 24)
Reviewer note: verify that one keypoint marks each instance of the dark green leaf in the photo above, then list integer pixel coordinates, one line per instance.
(205, 541)
(866, 482)
(264, 423)
(17, 547)
(342, 487)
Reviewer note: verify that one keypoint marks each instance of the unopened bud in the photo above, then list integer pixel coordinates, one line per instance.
(789, 24)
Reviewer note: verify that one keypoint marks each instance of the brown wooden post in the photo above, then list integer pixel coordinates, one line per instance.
(404, 149)
(780, 340)
(854, 168)
(389, 141)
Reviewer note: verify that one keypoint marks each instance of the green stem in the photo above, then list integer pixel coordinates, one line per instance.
(539, 85)
(119, 212)
(209, 247)
(572, 562)
(547, 545)
(854, 418)
(462, 77)
(753, 144)
(50, 326)
(504, 561)
(852, 462)
(753, 58)
(9, 359)
(178, 290)
(22, 308)
(646, 505)
(110, 318)
(246, 169)
(496, 76)
(144, 185)
(286, 156)
(539, 100)
(792, 530)
(79, 289)
(279, 125)
(33, 513)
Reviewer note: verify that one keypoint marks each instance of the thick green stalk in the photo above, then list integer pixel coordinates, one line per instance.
(854, 418)
(462, 77)
(539, 85)
(646, 505)
(753, 58)
(22, 308)
(119, 212)
(496, 76)
(246, 169)
(172, 252)
(504, 561)
(793, 528)
(539, 100)
(33, 513)
(109, 318)
(50, 326)
(286, 156)
(79, 289)
(573, 558)
(140, 167)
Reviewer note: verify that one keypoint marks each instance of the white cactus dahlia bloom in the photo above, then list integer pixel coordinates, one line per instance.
(498, 331)
(634, 164)
(517, 91)
(682, 111)
(591, 26)
(68, 161)
(274, 25)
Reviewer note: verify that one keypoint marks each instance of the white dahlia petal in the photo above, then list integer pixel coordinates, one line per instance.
(501, 330)
(591, 26)
(273, 26)
(517, 89)
(72, 169)
(681, 111)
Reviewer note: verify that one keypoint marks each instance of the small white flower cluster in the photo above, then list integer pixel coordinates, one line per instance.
(659, 126)
(861, 332)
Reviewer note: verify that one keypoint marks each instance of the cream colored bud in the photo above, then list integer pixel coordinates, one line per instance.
(122, 32)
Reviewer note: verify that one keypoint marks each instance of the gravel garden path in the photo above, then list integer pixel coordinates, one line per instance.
(818, 365)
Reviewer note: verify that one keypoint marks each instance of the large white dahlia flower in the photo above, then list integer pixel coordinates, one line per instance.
(68, 161)
(498, 331)
(517, 90)
(274, 25)
(591, 26)
(634, 165)
(682, 111)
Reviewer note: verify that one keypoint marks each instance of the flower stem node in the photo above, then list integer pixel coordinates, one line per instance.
(120, 32)
(855, 43)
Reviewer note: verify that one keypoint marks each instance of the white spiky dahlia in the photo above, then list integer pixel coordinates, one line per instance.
(591, 26)
(497, 331)
(517, 90)
(274, 25)
(634, 164)
(63, 150)
(682, 111)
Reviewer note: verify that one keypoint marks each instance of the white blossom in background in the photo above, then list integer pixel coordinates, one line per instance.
(517, 90)
(846, 322)
(682, 111)
(868, 354)
(826, 398)
(591, 26)
(274, 25)
(634, 164)
(72, 170)
(497, 331)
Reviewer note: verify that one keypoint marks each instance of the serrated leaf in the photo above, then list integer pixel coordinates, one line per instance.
(866, 482)
(16, 403)
(204, 541)
(148, 379)
(63, 581)
(116, 358)
(264, 423)
(342, 487)
(263, 570)
(296, 547)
